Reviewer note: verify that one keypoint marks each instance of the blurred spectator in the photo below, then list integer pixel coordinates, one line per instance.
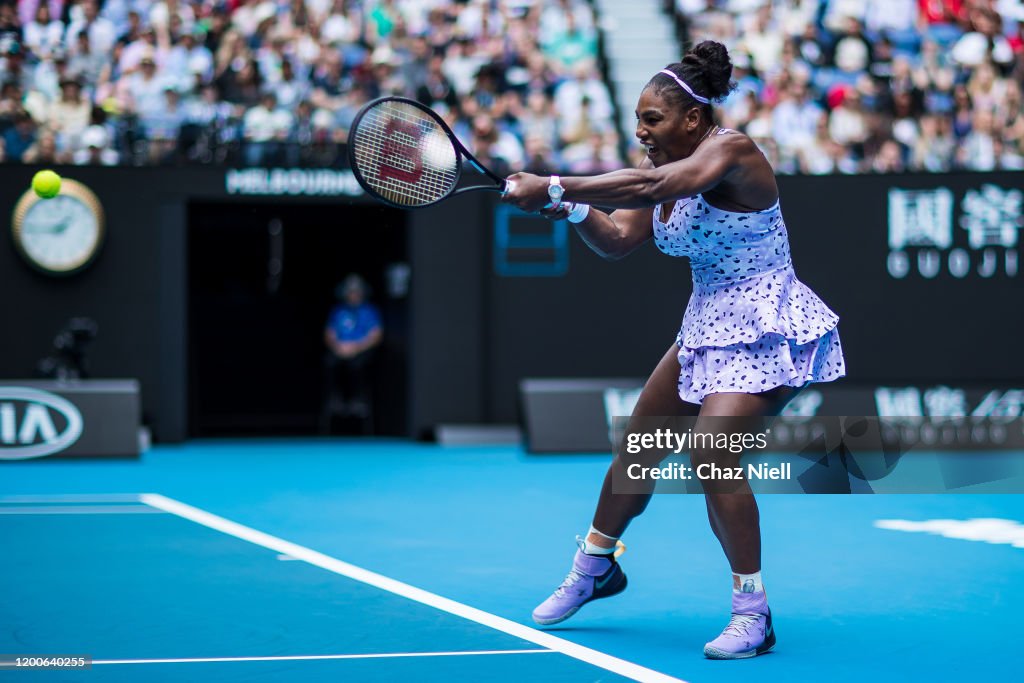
(540, 156)
(896, 20)
(435, 90)
(462, 64)
(265, 130)
(572, 44)
(538, 120)
(20, 136)
(350, 105)
(963, 110)
(352, 334)
(847, 122)
(763, 41)
(984, 41)
(889, 158)
(85, 63)
(10, 102)
(596, 154)
(381, 21)
(824, 155)
(95, 149)
(495, 149)
(190, 59)
(102, 32)
(288, 88)
(69, 115)
(43, 34)
(241, 82)
(142, 92)
(581, 101)
(11, 35)
(978, 151)
(12, 66)
(342, 25)
(44, 151)
(933, 149)
(795, 120)
(162, 127)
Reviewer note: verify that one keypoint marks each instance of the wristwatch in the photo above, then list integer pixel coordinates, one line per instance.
(555, 190)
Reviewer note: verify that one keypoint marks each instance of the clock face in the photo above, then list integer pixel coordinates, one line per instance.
(60, 235)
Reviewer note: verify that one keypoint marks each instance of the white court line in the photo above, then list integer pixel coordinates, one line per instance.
(986, 530)
(291, 658)
(72, 498)
(584, 654)
(79, 510)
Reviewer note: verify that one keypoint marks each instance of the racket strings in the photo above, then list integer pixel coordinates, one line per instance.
(404, 155)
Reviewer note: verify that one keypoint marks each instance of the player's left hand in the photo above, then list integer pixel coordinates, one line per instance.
(556, 213)
(527, 191)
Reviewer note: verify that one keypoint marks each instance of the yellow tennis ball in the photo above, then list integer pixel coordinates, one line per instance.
(46, 184)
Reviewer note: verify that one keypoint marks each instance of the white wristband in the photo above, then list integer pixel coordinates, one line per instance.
(579, 213)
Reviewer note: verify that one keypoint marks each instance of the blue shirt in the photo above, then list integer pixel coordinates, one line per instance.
(353, 323)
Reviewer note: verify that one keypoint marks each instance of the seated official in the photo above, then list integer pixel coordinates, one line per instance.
(352, 334)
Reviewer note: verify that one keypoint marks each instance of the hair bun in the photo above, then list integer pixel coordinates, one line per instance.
(712, 58)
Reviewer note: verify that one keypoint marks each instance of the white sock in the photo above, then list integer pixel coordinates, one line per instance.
(747, 583)
(591, 549)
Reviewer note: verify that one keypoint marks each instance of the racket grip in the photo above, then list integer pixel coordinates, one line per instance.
(507, 187)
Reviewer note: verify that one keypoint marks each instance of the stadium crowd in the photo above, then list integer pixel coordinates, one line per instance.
(278, 82)
(824, 86)
(851, 86)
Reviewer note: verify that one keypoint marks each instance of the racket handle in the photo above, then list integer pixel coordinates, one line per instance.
(507, 187)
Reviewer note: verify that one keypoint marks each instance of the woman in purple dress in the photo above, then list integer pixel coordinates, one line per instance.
(751, 337)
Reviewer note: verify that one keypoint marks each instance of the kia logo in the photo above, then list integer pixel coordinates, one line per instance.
(27, 426)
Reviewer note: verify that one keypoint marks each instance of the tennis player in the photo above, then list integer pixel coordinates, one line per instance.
(752, 334)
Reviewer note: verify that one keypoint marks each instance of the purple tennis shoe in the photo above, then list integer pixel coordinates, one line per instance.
(749, 632)
(592, 577)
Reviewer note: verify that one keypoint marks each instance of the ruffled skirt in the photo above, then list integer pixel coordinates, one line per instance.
(751, 368)
(748, 337)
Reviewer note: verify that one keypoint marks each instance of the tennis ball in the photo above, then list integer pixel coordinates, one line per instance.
(46, 184)
(438, 153)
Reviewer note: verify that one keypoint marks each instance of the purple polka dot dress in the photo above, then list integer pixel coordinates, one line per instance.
(750, 325)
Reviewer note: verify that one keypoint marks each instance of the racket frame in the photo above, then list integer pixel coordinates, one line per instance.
(461, 154)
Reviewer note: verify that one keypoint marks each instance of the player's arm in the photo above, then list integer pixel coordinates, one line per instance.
(637, 188)
(615, 235)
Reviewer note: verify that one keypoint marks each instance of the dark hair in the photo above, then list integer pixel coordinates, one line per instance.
(705, 67)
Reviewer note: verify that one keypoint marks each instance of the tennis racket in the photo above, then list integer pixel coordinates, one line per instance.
(403, 154)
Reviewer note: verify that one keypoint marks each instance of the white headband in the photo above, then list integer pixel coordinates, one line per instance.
(682, 84)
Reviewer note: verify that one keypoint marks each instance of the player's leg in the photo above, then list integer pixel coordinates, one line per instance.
(596, 573)
(734, 517)
(659, 398)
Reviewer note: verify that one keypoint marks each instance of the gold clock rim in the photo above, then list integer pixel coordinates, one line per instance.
(71, 188)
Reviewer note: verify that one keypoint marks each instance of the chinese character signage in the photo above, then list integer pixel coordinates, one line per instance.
(924, 243)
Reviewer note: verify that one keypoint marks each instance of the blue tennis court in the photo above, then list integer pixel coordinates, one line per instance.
(353, 560)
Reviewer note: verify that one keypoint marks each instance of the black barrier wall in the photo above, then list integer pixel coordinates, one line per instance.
(921, 269)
